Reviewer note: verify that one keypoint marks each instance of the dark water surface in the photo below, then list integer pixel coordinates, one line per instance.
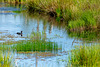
(13, 21)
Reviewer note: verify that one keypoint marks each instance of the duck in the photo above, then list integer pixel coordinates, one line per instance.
(19, 33)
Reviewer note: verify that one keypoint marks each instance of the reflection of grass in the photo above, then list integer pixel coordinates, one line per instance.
(36, 45)
(5, 60)
(86, 56)
(92, 35)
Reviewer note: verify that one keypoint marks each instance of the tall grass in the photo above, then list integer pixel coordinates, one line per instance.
(37, 45)
(85, 56)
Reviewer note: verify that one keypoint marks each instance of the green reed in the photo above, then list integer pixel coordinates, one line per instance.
(85, 56)
(36, 45)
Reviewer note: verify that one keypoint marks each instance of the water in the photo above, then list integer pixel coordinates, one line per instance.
(12, 22)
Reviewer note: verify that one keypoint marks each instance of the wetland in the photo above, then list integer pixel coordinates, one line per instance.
(45, 42)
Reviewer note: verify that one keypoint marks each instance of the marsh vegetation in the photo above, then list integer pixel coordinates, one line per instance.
(51, 29)
(79, 15)
(85, 56)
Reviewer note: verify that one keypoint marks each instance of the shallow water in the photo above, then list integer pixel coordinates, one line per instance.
(12, 22)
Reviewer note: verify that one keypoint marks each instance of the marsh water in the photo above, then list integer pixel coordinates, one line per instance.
(12, 20)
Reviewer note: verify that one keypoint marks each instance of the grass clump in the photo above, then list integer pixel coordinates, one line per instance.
(86, 56)
(37, 45)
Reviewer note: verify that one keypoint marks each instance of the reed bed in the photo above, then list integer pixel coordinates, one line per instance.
(85, 56)
(77, 13)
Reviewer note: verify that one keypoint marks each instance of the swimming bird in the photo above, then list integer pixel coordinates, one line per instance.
(19, 33)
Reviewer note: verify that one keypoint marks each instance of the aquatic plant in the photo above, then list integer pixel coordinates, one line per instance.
(5, 60)
(36, 45)
(85, 55)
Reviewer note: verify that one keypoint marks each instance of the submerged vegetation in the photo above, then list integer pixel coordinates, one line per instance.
(86, 56)
(79, 14)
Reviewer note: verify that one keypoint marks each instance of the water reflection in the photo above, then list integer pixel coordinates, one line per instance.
(38, 61)
(86, 36)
